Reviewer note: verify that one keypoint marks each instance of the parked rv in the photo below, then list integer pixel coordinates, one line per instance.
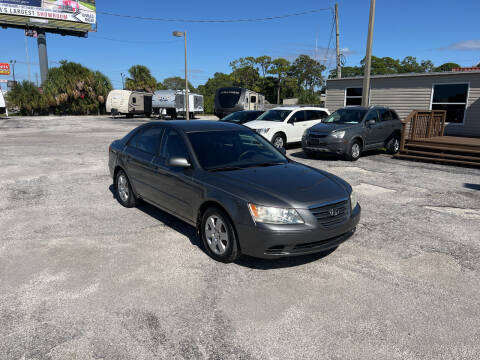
(232, 99)
(3, 106)
(129, 103)
(172, 103)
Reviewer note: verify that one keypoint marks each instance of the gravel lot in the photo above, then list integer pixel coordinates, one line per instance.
(83, 278)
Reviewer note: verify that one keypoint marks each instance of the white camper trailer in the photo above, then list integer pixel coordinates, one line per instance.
(3, 106)
(172, 103)
(129, 103)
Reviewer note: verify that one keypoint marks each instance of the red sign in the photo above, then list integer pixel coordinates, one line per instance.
(4, 69)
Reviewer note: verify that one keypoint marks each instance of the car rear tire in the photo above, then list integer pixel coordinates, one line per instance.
(354, 151)
(393, 146)
(124, 192)
(279, 141)
(218, 236)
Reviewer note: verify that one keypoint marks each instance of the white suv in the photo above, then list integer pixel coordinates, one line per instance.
(283, 125)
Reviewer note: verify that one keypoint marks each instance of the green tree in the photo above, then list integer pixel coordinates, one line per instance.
(308, 72)
(176, 83)
(140, 79)
(478, 65)
(74, 89)
(446, 67)
(27, 98)
(245, 73)
(280, 67)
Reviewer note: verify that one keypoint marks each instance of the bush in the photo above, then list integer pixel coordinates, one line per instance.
(27, 98)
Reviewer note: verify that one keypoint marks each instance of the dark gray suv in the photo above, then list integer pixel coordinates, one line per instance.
(351, 130)
(240, 192)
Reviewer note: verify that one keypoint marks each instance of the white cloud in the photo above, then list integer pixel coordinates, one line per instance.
(468, 45)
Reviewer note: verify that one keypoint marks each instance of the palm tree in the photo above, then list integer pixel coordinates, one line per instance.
(140, 79)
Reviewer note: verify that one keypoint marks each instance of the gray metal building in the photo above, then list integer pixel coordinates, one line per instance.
(456, 92)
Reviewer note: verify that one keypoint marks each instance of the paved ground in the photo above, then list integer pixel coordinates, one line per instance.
(83, 278)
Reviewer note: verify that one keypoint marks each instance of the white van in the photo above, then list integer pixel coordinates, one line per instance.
(283, 125)
(3, 107)
(129, 103)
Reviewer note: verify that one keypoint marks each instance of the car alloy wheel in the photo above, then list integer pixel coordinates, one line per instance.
(278, 142)
(122, 187)
(396, 145)
(356, 150)
(216, 234)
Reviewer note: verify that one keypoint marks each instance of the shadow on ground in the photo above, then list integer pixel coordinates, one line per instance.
(246, 261)
(472, 186)
(332, 157)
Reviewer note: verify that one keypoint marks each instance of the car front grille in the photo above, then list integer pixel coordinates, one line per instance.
(330, 216)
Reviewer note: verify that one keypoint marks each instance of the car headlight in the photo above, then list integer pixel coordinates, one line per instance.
(262, 131)
(353, 199)
(338, 134)
(272, 215)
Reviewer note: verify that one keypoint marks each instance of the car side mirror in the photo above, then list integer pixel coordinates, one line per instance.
(179, 162)
(371, 122)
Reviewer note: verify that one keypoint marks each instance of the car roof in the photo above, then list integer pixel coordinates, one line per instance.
(291, 108)
(199, 125)
(364, 108)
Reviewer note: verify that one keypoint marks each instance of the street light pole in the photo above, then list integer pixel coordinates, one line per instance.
(123, 80)
(368, 58)
(187, 97)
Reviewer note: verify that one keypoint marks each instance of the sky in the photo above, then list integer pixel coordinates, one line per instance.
(441, 31)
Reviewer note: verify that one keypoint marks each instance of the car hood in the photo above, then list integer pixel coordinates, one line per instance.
(290, 185)
(322, 127)
(261, 124)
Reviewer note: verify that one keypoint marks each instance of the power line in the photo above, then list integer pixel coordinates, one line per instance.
(216, 20)
(131, 41)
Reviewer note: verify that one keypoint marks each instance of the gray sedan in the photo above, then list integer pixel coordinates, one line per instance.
(240, 192)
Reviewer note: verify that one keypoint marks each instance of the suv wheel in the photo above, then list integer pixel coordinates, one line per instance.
(218, 236)
(354, 151)
(125, 195)
(393, 146)
(279, 141)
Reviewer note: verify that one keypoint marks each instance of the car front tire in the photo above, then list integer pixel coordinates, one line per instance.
(124, 192)
(279, 141)
(218, 236)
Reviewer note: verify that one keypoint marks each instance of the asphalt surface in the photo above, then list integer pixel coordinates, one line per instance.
(81, 277)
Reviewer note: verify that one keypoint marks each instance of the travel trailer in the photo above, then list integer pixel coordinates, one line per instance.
(129, 103)
(232, 99)
(172, 103)
(3, 107)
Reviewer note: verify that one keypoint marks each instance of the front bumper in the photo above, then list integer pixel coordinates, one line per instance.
(266, 243)
(325, 146)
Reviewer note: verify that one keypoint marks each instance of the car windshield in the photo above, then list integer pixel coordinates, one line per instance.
(275, 115)
(241, 116)
(234, 149)
(346, 116)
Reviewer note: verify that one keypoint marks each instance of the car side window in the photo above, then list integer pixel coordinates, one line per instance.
(147, 140)
(173, 145)
(372, 115)
(385, 115)
(299, 116)
(316, 115)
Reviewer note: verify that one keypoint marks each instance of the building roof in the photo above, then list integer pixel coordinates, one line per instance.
(447, 73)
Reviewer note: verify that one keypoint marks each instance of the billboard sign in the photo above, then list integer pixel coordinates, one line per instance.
(69, 14)
(4, 69)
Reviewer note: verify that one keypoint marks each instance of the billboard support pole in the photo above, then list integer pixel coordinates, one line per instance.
(42, 55)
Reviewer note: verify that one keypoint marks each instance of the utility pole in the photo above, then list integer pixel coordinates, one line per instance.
(368, 57)
(123, 80)
(28, 58)
(42, 55)
(339, 60)
(187, 96)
